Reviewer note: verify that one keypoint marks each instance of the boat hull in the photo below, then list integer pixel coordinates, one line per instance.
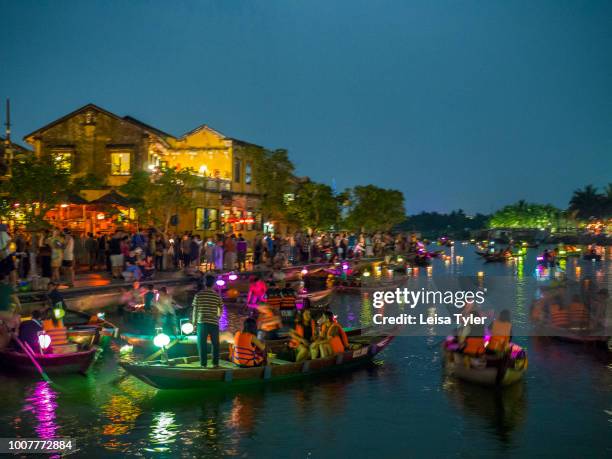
(176, 377)
(77, 362)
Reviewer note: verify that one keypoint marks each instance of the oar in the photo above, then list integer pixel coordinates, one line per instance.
(28, 351)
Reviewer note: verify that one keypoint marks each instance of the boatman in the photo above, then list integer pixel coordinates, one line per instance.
(207, 306)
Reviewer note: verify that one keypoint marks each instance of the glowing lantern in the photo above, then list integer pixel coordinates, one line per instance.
(126, 349)
(480, 274)
(233, 277)
(187, 328)
(345, 266)
(58, 313)
(220, 282)
(304, 271)
(101, 315)
(44, 341)
(161, 340)
(366, 274)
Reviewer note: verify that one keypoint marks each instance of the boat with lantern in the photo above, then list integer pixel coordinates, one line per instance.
(186, 372)
(487, 370)
(72, 362)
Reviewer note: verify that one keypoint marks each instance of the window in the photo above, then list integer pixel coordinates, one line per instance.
(163, 165)
(206, 219)
(63, 159)
(120, 163)
(248, 174)
(237, 170)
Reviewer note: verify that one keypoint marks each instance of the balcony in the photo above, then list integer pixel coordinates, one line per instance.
(212, 184)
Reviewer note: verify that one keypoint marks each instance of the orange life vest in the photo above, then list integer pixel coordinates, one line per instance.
(578, 314)
(269, 322)
(274, 301)
(537, 312)
(243, 352)
(338, 343)
(474, 345)
(56, 331)
(500, 336)
(288, 302)
(559, 317)
(299, 329)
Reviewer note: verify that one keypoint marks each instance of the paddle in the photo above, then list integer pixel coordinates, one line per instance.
(28, 351)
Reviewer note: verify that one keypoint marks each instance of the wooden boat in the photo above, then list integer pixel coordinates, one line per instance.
(185, 373)
(357, 287)
(494, 258)
(484, 370)
(574, 335)
(74, 362)
(89, 335)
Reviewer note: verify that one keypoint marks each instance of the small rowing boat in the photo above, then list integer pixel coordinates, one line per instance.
(186, 372)
(487, 370)
(73, 362)
(574, 335)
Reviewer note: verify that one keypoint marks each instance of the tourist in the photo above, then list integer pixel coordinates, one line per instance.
(195, 247)
(303, 335)
(241, 252)
(247, 350)
(185, 251)
(68, 258)
(158, 250)
(206, 313)
(30, 329)
(258, 249)
(268, 322)
(115, 255)
(229, 249)
(91, 249)
(331, 340)
(501, 333)
(56, 243)
(103, 258)
(257, 290)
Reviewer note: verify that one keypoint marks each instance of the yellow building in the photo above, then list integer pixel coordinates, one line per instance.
(92, 140)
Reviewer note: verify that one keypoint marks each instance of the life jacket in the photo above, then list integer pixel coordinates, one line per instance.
(338, 343)
(274, 301)
(559, 317)
(537, 312)
(56, 331)
(243, 352)
(299, 329)
(269, 322)
(578, 314)
(288, 302)
(474, 345)
(500, 336)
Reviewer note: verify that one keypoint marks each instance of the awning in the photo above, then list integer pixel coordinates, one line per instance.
(112, 198)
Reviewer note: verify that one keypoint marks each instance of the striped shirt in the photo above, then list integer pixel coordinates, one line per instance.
(206, 307)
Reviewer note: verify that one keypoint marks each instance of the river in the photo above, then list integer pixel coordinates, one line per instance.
(400, 406)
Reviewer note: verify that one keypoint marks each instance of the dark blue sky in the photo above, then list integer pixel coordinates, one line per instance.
(470, 104)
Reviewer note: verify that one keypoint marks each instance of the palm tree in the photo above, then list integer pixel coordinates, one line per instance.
(587, 202)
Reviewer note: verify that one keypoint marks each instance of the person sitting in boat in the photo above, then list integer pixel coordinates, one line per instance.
(274, 296)
(559, 315)
(303, 335)
(54, 327)
(332, 338)
(247, 350)
(54, 296)
(30, 329)
(501, 333)
(257, 290)
(268, 322)
(9, 306)
(471, 337)
(578, 313)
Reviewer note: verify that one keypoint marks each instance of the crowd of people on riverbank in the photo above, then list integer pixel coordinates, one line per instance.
(56, 254)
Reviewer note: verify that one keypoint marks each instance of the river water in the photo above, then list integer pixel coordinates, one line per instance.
(400, 406)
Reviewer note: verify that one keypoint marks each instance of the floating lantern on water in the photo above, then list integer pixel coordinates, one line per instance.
(44, 341)
(480, 274)
(161, 340)
(187, 328)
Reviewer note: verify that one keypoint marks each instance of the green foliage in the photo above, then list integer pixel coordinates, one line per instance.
(589, 202)
(526, 216)
(159, 195)
(88, 182)
(455, 223)
(372, 208)
(314, 206)
(273, 177)
(36, 185)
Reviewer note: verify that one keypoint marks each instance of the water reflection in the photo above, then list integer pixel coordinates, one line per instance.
(41, 402)
(163, 432)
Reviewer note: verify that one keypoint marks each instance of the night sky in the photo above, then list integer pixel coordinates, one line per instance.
(459, 104)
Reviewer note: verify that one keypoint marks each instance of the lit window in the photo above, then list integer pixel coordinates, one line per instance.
(206, 219)
(63, 160)
(248, 174)
(120, 163)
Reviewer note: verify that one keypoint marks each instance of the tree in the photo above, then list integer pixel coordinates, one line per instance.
(587, 203)
(157, 196)
(525, 215)
(273, 177)
(314, 206)
(372, 208)
(35, 186)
